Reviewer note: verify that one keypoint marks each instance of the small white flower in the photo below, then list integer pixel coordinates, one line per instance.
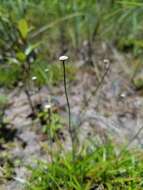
(34, 78)
(46, 70)
(63, 58)
(106, 61)
(123, 95)
(47, 107)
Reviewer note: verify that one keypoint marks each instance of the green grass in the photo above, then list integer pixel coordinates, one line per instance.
(10, 76)
(78, 20)
(92, 168)
(54, 75)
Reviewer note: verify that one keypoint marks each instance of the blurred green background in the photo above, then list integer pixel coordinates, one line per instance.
(39, 31)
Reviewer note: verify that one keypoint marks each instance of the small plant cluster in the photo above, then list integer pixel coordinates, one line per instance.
(51, 122)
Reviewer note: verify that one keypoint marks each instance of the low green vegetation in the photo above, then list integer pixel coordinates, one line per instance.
(47, 74)
(6, 168)
(51, 123)
(94, 167)
(3, 101)
(77, 20)
(51, 74)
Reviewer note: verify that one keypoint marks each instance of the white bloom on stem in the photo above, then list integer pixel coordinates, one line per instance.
(106, 61)
(63, 58)
(34, 78)
(47, 107)
(123, 95)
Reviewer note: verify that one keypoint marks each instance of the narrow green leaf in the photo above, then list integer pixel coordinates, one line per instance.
(23, 28)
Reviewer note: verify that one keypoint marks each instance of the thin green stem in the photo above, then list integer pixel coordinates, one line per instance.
(49, 133)
(69, 111)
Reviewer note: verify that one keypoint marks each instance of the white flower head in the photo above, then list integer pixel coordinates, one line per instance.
(106, 61)
(63, 58)
(47, 107)
(123, 95)
(46, 70)
(34, 78)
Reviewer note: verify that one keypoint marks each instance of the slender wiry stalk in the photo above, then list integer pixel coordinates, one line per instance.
(102, 78)
(130, 141)
(69, 111)
(26, 78)
(30, 101)
(49, 132)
